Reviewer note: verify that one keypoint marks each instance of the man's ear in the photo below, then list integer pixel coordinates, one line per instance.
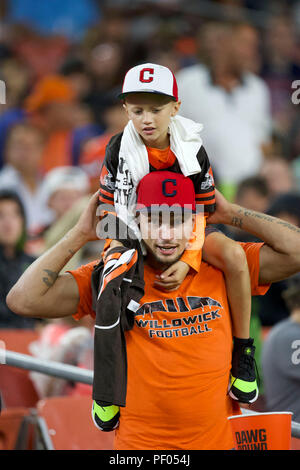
(193, 219)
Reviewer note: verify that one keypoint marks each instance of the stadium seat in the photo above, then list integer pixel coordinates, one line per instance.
(15, 432)
(69, 425)
(16, 387)
(18, 340)
(295, 444)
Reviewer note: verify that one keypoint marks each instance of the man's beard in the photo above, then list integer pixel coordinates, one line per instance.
(156, 262)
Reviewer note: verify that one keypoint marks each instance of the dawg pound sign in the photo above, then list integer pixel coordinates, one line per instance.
(179, 326)
(253, 439)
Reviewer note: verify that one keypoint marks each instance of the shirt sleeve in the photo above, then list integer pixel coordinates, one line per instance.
(252, 253)
(83, 276)
(108, 173)
(204, 184)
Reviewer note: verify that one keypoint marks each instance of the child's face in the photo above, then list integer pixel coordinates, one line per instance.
(151, 114)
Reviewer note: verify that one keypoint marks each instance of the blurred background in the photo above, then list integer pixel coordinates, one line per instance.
(237, 63)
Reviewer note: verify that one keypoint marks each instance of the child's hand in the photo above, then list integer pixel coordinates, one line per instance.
(113, 244)
(222, 214)
(173, 276)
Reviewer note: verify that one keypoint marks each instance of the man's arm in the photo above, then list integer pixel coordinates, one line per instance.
(280, 256)
(41, 291)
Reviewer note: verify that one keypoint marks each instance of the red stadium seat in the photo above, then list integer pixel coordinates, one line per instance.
(295, 444)
(12, 435)
(16, 387)
(18, 340)
(69, 424)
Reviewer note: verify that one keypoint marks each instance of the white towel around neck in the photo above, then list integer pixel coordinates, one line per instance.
(185, 142)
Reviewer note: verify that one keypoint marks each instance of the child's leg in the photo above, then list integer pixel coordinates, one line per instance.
(106, 415)
(228, 256)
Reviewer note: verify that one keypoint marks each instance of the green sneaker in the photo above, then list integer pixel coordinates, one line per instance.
(106, 418)
(243, 386)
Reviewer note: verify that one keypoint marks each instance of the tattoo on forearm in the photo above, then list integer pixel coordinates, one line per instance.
(290, 226)
(238, 221)
(52, 276)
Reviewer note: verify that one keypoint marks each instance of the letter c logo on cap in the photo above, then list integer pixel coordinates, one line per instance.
(164, 188)
(146, 75)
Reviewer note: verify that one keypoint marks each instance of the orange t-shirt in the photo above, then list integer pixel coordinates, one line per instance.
(161, 159)
(179, 361)
(57, 151)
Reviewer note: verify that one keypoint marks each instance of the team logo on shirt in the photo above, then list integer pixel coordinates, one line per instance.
(108, 181)
(208, 181)
(179, 325)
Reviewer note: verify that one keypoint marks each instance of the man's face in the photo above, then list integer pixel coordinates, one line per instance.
(63, 199)
(254, 200)
(151, 115)
(244, 50)
(61, 115)
(278, 175)
(24, 149)
(11, 223)
(166, 235)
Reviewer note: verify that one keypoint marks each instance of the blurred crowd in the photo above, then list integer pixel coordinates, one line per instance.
(237, 64)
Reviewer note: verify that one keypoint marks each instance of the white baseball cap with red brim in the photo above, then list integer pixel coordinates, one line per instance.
(150, 78)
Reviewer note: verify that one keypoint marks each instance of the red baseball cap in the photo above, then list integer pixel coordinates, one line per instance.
(150, 78)
(160, 190)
